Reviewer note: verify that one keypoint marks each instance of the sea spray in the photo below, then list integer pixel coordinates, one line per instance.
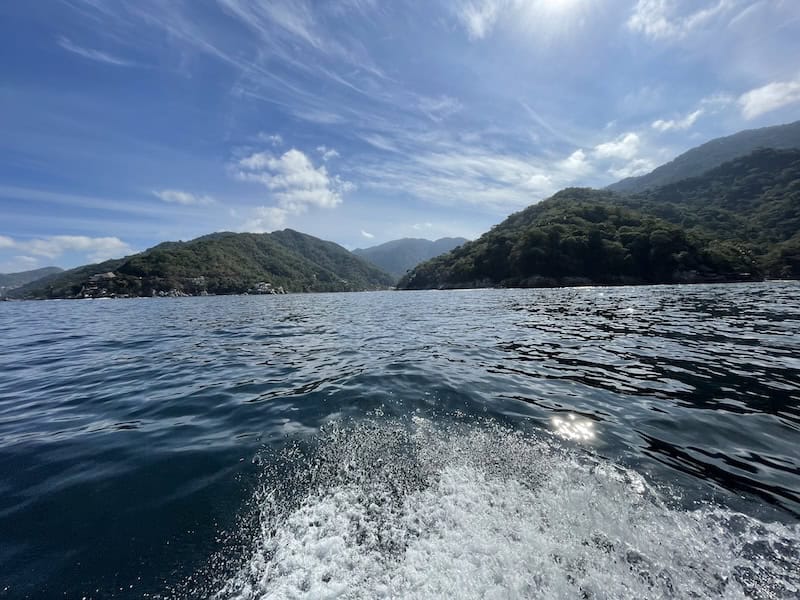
(469, 508)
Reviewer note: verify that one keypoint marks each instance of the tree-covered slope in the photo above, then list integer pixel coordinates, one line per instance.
(223, 263)
(754, 198)
(398, 256)
(738, 221)
(712, 154)
(10, 281)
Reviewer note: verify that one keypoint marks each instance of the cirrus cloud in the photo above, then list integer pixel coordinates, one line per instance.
(181, 197)
(664, 19)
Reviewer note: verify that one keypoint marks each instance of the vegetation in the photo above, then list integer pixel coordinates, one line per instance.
(698, 160)
(738, 221)
(222, 263)
(398, 256)
(9, 281)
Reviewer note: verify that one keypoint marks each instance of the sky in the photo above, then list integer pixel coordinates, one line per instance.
(124, 124)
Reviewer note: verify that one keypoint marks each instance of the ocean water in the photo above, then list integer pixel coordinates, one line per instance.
(639, 442)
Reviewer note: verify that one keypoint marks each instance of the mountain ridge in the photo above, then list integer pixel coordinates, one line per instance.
(219, 263)
(398, 256)
(711, 154)
(10, 281)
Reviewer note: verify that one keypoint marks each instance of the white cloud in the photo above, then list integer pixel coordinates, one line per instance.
(663, 19)
(626, 147)
(576, 165)
(769, 97)
(266, 219)
(678, 124)
(95, 55)
(327, 153)
(181, 197)
(638, 166)
(620, 157)
(294, 180)
(96, 249)
(295, 184)
(367, 235)
(6, 242)
(421, 226)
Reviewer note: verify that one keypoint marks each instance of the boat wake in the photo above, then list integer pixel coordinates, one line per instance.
(421, 509)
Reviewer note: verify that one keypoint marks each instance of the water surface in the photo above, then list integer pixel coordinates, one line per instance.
(593, 442)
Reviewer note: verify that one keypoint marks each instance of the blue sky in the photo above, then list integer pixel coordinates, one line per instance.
(359, 121)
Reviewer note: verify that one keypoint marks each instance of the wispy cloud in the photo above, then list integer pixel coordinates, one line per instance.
(438, 109)
(664, 19)
(183, 198)
(678, 124)
(327, 153)
(92, 54)
(464, 176)
(367, 234)
(380, 142)
(479, 16)
(769, 97)
(274, 139)
(323, 117)
(542, 20)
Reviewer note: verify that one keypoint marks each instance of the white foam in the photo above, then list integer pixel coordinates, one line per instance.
(484, 512)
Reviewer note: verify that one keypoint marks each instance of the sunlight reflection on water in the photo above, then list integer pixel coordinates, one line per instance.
(573, 428)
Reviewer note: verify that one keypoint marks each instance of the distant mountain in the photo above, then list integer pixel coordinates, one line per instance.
(738, 221)
(712, 154)
(398, 256)
(220, 263)
(9, 281)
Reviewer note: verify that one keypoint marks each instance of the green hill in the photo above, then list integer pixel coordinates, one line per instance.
(738, 221)
(220, 263)
(398, 256)
(712, 154)
(9, 281)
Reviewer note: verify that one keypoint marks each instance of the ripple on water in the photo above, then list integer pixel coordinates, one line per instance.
(127, 431)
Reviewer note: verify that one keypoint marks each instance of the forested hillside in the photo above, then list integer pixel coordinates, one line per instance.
(221, 263)
(736, 222)
(9, 281)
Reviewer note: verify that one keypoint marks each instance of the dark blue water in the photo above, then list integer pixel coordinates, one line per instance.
(596, 443)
